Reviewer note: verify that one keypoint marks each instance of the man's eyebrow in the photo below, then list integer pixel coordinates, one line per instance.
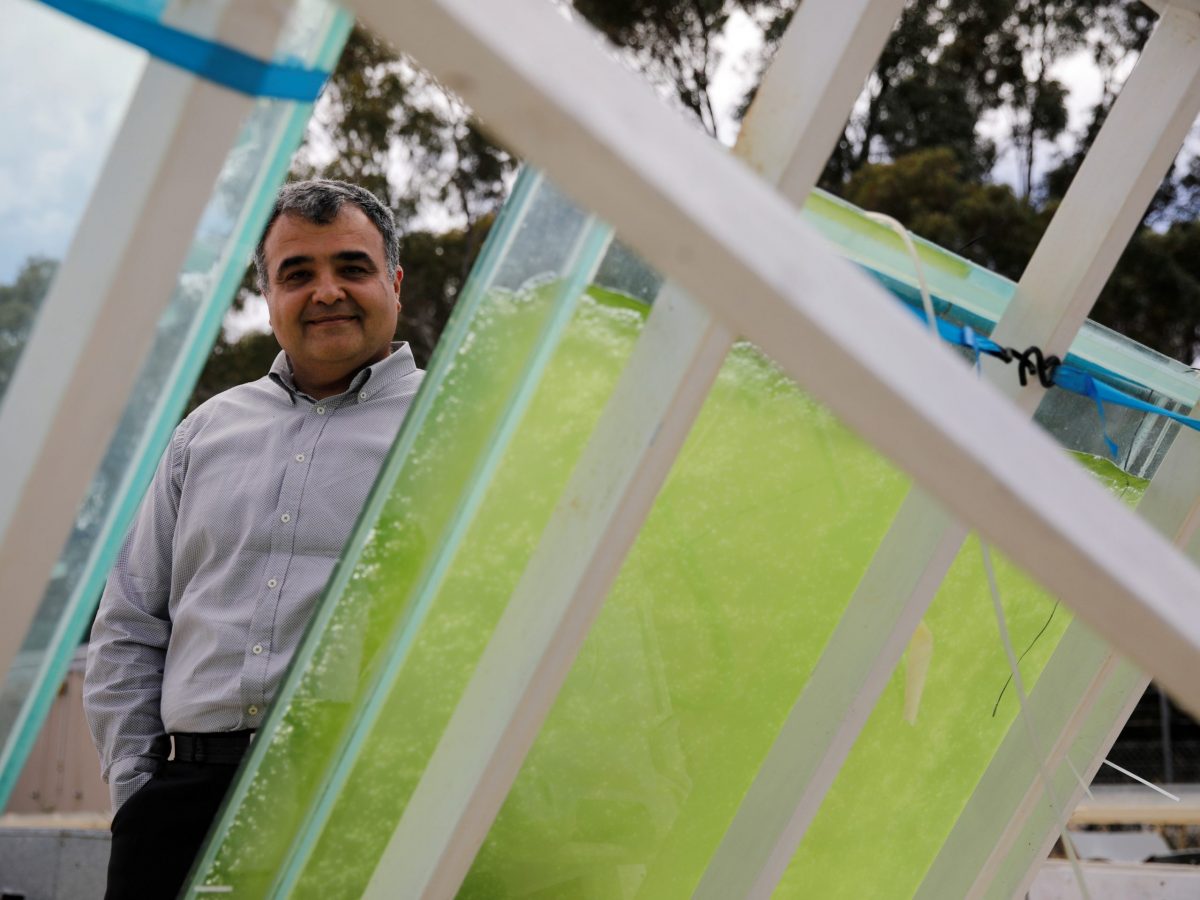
(354, 256)
(359, 256)
(292, 261)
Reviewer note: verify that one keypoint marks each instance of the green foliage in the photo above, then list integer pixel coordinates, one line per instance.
(929, 192)
(19, 304)
(671, 41)
(912, 148)
(950, 63)
(1154, 294)
(1152, 297)
(433, 274)
(381, 109)
(247, 359)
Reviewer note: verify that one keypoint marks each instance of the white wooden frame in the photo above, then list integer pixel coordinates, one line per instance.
(738, 248)
(635, 443)
(986, 846)
(1102, 208)
(98, 319)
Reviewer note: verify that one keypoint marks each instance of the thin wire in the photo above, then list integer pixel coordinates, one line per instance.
(1036, 638)
(1074, 771)
(1068, 847)
(1142, 780)
(1019, 683)
(926, 300)
(931, 322)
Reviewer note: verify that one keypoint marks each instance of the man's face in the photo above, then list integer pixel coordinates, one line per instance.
(333, 307)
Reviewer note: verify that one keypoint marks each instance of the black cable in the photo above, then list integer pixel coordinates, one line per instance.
(1053, 610)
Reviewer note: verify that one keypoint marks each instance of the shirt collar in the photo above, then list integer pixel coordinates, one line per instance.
(367, 383)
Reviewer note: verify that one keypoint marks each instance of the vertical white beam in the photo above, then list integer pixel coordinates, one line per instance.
(99, 316)
(801, 107)
(1110, 193)
(992, 833)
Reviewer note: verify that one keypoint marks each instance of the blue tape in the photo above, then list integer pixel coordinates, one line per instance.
(1090, 388)
(207, 59)
(1067, 377)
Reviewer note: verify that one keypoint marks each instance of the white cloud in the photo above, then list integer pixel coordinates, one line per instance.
(252, 316)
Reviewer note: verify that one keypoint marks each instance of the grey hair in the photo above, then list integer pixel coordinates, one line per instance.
(319, 201)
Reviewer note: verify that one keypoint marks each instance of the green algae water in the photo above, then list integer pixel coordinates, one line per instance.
(743, 568)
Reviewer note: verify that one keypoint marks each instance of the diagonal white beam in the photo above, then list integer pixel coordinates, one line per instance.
(1127, 162)
(544, 87)
(99, 316)
(805, 97)
(1113, 188)
(1060, 704)
(1117, 688)
(992, 835)
(818, 70)
(819, 731)
(532, 648)
(1118, 695)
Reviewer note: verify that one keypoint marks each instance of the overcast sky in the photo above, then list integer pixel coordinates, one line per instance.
(63, 91)
(64, 88)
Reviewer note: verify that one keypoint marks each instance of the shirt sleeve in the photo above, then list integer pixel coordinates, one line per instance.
(128, 646)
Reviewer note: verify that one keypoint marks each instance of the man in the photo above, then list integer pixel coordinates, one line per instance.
(248, 511)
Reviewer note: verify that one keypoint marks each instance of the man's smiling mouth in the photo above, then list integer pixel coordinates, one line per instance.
(331, 320)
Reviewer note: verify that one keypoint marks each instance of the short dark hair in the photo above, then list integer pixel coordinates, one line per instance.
(319, 202)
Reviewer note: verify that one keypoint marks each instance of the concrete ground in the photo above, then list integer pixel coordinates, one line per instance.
(44, 860)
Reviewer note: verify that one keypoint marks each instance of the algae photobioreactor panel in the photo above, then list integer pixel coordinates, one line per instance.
(754, 546)
(723, 606)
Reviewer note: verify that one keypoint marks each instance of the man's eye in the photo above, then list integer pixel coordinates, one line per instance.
(295, 276)
(355, 270)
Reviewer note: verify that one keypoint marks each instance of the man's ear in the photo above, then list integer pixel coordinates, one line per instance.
(266, 295)
(396, 284)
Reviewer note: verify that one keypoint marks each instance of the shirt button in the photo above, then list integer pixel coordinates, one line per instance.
(252, 710)
(362, 396)
(320, 410)
(256, 649)
(273, 582)
(299, 457)
(286, 517)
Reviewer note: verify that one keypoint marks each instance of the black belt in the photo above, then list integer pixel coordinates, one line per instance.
(222, 748)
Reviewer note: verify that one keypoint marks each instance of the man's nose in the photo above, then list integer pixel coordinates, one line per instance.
(327, 289)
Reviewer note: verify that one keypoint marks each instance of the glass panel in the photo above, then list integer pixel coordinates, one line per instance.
(738, 577)
(221, 248)
(758, 539)
(918, 777)
(409, 609)
(967, 294)
(63, 90)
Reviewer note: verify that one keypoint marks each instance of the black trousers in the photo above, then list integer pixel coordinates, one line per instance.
(157, 833)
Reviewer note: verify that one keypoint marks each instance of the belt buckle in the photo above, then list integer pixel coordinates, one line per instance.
(171, 749)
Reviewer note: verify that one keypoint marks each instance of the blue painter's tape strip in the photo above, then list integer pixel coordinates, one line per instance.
(1067, 377)
(207, 59)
